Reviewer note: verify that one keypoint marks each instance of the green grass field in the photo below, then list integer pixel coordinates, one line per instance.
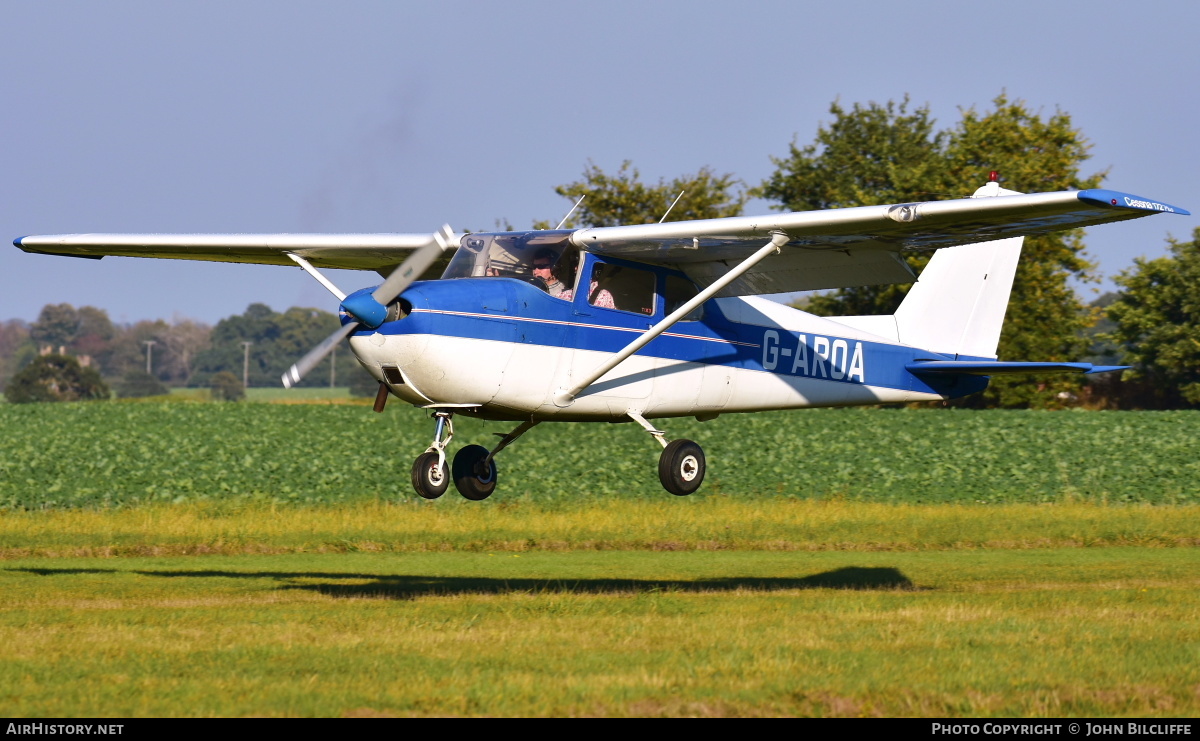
(268, 560)
(1052, 632)
(668, 524)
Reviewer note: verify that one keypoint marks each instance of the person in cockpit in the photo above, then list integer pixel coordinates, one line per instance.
(543, 269)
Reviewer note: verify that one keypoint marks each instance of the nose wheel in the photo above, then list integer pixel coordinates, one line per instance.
(429, 474)
(429, 477)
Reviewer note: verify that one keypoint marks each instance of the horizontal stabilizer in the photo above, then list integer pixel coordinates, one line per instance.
(1000, 367)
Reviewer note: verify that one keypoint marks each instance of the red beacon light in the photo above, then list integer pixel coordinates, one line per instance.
(994, 176)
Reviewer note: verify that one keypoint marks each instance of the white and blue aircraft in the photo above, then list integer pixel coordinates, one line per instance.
(646, 322)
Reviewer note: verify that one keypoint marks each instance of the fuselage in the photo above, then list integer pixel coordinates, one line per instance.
(500, 348)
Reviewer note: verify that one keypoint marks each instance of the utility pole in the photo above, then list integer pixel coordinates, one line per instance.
(246, 365)
(149, 345)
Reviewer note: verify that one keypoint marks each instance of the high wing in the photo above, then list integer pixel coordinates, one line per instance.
(859, 246)
(378, 252)
(833, 248)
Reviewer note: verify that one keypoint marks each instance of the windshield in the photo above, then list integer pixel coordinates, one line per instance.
(510, 254)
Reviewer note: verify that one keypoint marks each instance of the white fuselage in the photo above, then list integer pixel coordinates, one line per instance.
(518, 380)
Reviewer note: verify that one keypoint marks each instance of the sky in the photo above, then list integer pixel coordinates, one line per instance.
(398, 117)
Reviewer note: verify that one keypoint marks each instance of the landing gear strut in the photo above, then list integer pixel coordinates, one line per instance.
(429, 475)
(473, 469)
(681, 464)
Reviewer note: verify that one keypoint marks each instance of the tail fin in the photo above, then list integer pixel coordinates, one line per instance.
(957, 305)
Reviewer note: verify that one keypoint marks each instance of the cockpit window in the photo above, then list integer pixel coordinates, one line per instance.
(624, 288)
(679, 292)
(512, 255)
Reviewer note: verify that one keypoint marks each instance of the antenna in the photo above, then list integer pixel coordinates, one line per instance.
(664, 218)
(571, 211)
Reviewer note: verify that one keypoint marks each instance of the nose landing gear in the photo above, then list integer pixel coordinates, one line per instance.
(429, 477)
(473, 469)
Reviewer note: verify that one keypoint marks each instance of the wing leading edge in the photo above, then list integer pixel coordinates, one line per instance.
(378, 252)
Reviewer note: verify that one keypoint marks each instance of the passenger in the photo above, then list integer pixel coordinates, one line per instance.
(601, 298)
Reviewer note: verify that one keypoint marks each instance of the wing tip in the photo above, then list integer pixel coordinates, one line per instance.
(1117, 199)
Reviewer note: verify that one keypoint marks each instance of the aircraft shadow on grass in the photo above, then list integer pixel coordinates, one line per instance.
(403, 587)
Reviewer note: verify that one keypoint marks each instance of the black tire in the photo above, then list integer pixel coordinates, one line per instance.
(681, 467)
(472, 482)
(429, 482)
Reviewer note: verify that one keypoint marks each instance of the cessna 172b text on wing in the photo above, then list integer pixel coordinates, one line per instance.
(646, 322)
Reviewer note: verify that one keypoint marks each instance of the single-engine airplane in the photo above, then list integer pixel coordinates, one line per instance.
(645, 322)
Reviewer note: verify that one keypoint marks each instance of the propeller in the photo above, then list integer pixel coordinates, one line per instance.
(370, 310)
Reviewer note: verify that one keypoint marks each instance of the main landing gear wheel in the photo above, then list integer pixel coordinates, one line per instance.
(429, 479)
(681, 467)
(472, 478)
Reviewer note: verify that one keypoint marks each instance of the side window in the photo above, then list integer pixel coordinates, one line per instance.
(620, 287)
(678, 292)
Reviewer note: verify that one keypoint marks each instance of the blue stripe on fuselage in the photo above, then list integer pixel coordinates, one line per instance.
(508, 310)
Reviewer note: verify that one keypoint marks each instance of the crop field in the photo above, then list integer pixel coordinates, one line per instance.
(124, 454)
(199, 559)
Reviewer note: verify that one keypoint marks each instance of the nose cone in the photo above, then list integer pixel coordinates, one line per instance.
(362, 307)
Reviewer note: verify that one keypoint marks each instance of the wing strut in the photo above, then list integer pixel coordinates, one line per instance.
(564, 397)
(308, 268)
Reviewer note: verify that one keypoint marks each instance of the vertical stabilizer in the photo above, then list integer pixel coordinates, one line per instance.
(957, 305)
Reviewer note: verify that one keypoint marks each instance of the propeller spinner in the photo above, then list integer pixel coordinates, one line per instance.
(370, 309)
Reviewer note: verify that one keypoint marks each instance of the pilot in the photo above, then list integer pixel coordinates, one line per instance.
(543, 268)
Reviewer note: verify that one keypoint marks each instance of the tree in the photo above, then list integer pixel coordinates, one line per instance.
(226, 387)
(184, 339)
(138, 383)
(868, 155)
(127, 351)
(1046, 319)
(1157, 324)
(14, 342)
(55, 378)
(55, 326)
(276, 342)
(613, 200)
(885, 154)
(362, 383)
(93, 335)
